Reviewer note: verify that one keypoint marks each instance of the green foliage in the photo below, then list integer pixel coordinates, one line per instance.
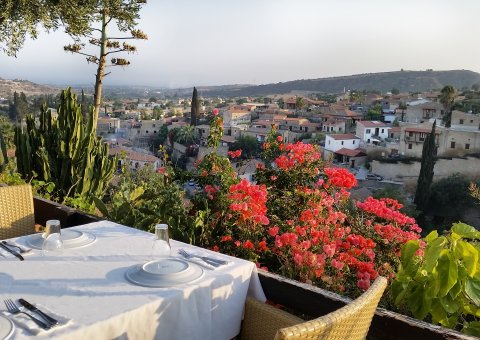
(3, 153)
(145, 198)
(195, 108)
(374, 113)
(447, 97)
(65, 151)
(451, 193)
(186, 135)
(399, 195)
(444, 285)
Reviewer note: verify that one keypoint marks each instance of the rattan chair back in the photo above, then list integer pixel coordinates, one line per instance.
(349, 322)
(16, 211)
(263, 321)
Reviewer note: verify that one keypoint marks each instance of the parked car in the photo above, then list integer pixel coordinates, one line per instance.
(374, 177)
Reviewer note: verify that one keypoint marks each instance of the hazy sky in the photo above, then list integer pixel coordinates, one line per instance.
(215, 42)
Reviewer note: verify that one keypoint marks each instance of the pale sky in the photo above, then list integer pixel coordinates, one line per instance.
(218, 42)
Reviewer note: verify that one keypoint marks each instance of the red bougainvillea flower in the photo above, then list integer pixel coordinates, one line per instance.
(249, 201)
(234, 154)
(279, 138)
(215, 112)
(296, 155)
(340, 177)
(162, 170)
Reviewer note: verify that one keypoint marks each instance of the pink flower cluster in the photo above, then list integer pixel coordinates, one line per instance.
(296, 155)
(249, 201)
(234, 154)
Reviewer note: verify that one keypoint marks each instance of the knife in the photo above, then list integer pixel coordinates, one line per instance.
(11, 251)
(31, 307)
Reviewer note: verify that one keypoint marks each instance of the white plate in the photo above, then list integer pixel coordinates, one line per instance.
(164, 272)
(6, 327)
(70, 238)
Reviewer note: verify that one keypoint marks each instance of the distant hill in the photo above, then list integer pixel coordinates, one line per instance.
(8, 87)
(405, 81)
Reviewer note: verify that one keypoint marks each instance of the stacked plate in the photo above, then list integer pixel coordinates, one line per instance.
(70, 238)
(165, 272)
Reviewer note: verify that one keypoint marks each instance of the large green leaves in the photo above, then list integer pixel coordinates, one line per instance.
(447, 272)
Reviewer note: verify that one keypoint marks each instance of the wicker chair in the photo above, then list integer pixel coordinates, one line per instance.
(350, 322)
(16, 211)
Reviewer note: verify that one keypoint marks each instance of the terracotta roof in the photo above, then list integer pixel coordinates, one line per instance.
(421, 129)
(351, 153)
(373, 123)
(133, 155)
(395, 129)
(343, 136)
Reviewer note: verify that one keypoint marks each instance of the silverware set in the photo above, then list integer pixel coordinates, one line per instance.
(210, 260)
(46, 321)
(14, 249)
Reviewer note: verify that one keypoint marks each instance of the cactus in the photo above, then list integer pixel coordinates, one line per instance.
(65, 151)
(3, 153)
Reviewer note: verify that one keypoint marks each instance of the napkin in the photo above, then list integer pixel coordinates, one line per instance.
(23, 321)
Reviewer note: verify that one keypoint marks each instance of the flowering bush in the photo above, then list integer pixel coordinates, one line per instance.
(298, 219)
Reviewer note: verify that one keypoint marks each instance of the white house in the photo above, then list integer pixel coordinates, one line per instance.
(336, 142)
(371, 131)
(344, 148)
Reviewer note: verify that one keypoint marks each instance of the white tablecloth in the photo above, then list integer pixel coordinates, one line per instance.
(88, 286)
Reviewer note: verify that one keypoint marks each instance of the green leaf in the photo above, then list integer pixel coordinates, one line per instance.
(472, 289)
(456, 289)
(471, 328)
(101, 206)
(447, 272)
(399, 289)
(430, 237)
(469, 256)
(135, 194)
(465, 230)
(432, 252)
(408, 255)
(449, 304)
(438, 312)
(419, 302)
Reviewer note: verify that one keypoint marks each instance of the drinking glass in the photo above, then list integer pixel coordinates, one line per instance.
(52, 239)
(161, 242)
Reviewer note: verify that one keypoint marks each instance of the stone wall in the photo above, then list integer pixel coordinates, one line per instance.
(399, 171)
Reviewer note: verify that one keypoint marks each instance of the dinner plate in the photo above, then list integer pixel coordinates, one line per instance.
(6, 327)
(164, 272)
(70, 238)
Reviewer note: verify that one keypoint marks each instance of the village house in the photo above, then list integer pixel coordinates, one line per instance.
(372, 131)
(236, 116)
(106, 125)
(344, 148)
(333, 125)
(135, 159)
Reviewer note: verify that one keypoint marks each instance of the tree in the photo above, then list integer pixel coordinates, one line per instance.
(195, 108)
(249, 145)
(402, 106)
(186, 135)
(299, 103)
(125, 14)
(425, 178)
(374, 113)
(447, 96)
(395, 91)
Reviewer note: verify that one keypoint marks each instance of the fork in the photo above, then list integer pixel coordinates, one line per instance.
(13, 309)
(209, 260)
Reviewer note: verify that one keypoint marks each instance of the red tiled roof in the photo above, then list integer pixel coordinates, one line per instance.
(424, 130)
(133, 155)
(368, 123)
(343, 136)
(351, 153)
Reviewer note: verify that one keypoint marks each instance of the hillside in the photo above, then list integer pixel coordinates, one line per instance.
(405, 81)
(8, 87)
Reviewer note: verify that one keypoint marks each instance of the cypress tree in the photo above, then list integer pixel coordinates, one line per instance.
(426, 171)
(195, 109)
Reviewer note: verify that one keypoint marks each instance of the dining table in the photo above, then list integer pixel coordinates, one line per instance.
(87, 285)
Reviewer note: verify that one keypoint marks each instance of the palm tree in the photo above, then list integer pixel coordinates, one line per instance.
(186, 135)
(447, 97)
(299, 103)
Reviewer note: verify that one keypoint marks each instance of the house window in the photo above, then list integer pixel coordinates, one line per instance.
(146, 131)
(409, 146)
(353, 142)
(410, 133)
(138, 131)
(342, 142)
(461, 121)
(154, 131)
(328, 142)
(467, 146)
(471, 121)
(153, 125)
(452, 145)
(367, 131)
(383, 130)
(339, 129)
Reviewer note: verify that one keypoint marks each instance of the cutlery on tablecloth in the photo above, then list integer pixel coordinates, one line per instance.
(21, 250)
(13, 309)
(211, 261)
(32, 308)
(11, 251)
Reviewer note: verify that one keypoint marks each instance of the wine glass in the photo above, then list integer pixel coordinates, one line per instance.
(52, 239)
(161, 242)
